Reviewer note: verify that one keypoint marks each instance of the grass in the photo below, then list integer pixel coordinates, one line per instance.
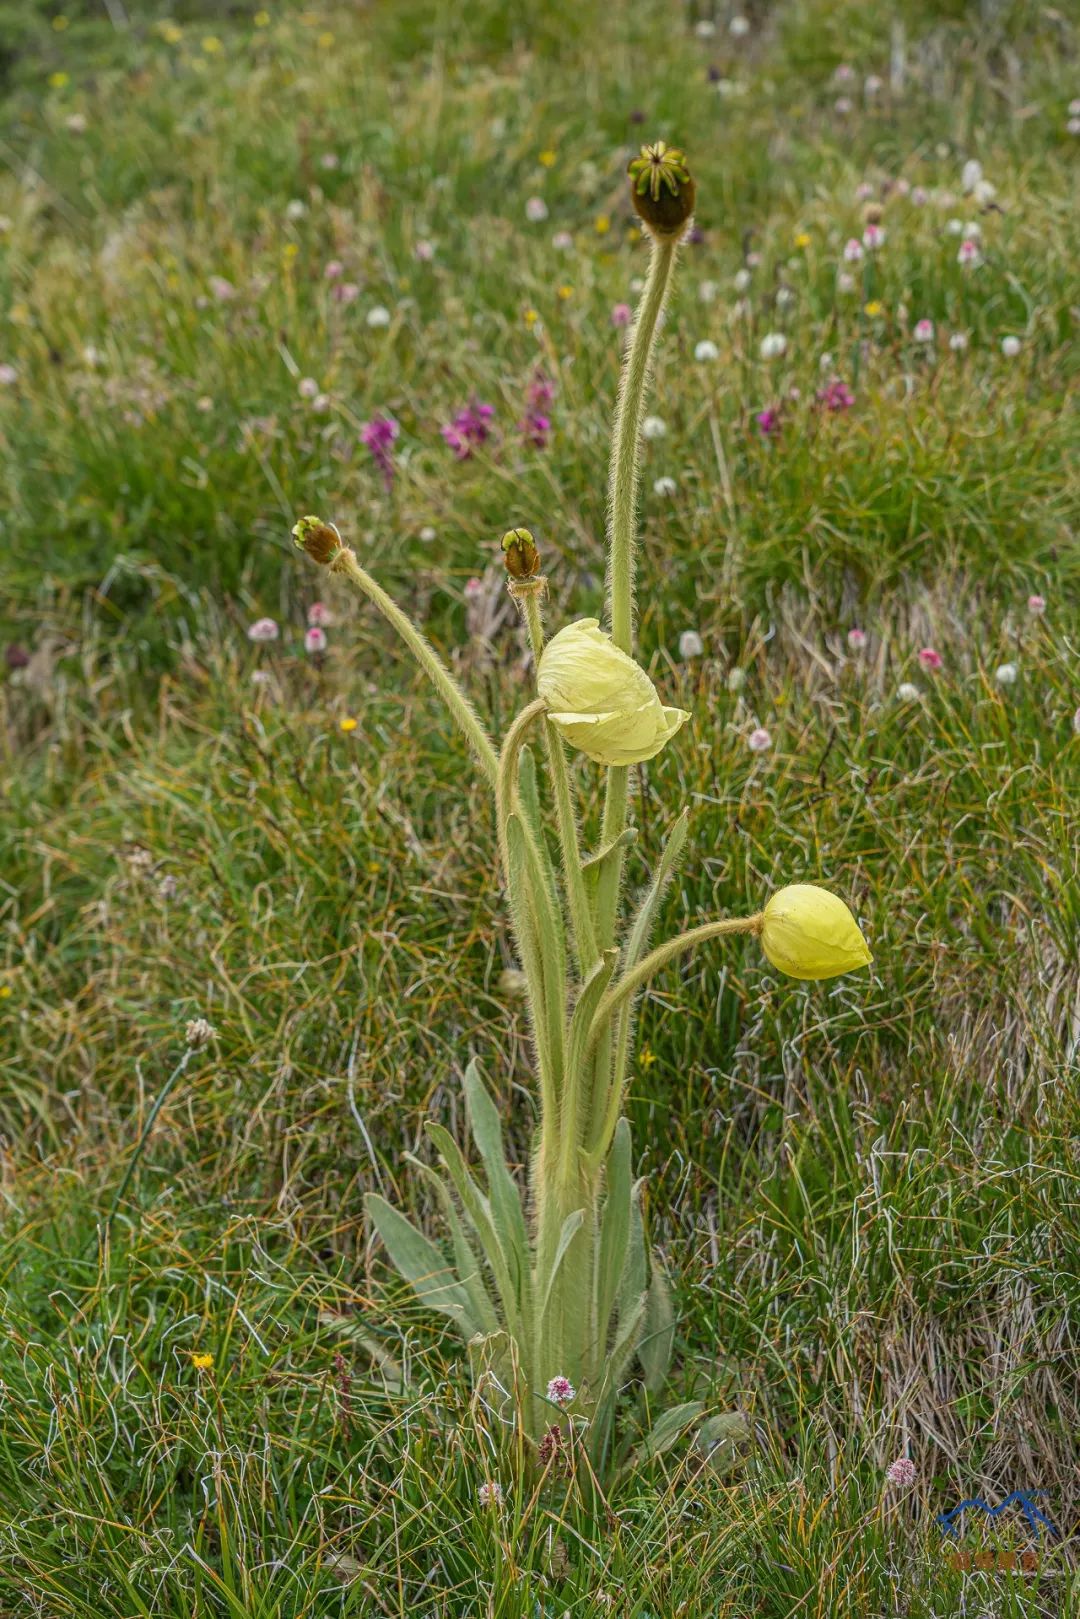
(865, 1192)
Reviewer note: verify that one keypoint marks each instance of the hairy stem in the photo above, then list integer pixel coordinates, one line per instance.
(573, 876)
(629, 984)
(451, 693)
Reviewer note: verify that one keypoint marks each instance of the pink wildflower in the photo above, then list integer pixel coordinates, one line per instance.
(468, 429)
(315, 640)
(835, 396)
(379, 435)
(333, 270)
(853, 250)
(346, 292)
(902, 1471)
(873, 237)
(968, 254)
(759, 740)
(924, 331)
(1036, 606)
(263, 629)
(768, 421)
(856, 639)
(318, 614)
(930, 659)
(561, 1390)
(622, 315)
(222, 289)
(474, 589)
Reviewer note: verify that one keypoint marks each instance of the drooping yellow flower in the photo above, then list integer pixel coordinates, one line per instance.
(600, 700)
(807, 932)
(201, 1361)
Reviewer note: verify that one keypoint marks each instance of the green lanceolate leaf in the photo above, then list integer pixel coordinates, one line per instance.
(542, 941)
(658, 1336)
(640, 931)
(467, 1264)
(570, 1228)
(614, 1232)
(422, 1265)
(478, 1212)
(668, 1428)
(635, 1273)
(594, 865)
(503, 1195)
(581, 1022)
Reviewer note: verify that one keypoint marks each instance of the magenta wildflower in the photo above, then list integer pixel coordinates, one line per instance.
(835, 395)
(930, 659)
(1036, 606)
(561, 1390)
(902, 1471)
(534, 428)
(621, 315)
(541, 391)
(379, 435)
(856, 639)
(768, 421)
(468, 429)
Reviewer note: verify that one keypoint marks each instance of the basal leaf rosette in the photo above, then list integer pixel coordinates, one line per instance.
(600, 700)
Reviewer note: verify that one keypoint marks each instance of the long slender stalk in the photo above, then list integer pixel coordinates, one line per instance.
(629, 984)
(573, 876)
(451, 693)
(151, 1119)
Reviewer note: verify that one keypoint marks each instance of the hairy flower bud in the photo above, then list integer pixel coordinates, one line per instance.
(807, 932)
(520, 555)
(600, 700)
(320, 540)
(661, 188)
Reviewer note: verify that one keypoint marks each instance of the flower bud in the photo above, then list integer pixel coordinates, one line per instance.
(661, 188)
(807, 932)
(320, 540)
(520, 556)
(600, 700)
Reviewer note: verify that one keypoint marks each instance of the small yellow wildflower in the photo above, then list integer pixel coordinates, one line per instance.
(261, 19)
(531, 317)
(202, 1362)
(289, 251)
(564, 292)
(57, 81)
(874, 308)
(548, 158)
(60, 23)
(648, 1057)
(633, 234)
(602, 224)
(212, 45)
(5, 992)
(171, 34)
(325, 40)
(348, 724)
(803, 239)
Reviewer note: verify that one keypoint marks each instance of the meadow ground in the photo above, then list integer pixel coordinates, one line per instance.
(230, 241)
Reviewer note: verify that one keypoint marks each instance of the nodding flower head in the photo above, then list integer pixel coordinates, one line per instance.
(662, 188)
(520, 555)
(808, 932)
(320, 540)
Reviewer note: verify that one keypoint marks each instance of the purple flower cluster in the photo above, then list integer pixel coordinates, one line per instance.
(379, 435)
(535, 425)
(469, 428)
(835, 395)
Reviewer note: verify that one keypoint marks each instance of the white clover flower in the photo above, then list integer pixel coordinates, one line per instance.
(739, 27)
(653, 427)
(690, 645)
(773, 344)
(427, 534)
(490, 1494)
(784, 297)
(295, 209)
(736, 679)
(907, 693)
(845, 282)
(706, 350)
(536, 210)
(665, 487)
(1006, 674)
(972, 230)
(872, 85)
(958, 342)
(378, 316)
(1010, 347)
(984, 192)
(954, 227)
(707, 291)
(972, 174)
(759, 740)
(705, 29)
(741, 280)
